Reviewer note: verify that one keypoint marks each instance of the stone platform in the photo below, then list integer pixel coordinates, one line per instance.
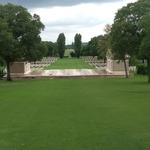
(68, 73)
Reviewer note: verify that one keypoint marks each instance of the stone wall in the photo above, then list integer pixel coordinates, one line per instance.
(116, 66)
(20, 68)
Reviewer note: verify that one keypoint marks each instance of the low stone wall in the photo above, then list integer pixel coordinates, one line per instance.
(116, 66)
(20, 68)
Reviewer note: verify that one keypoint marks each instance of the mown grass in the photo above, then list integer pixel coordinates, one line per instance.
(70, 63)
(75, 114)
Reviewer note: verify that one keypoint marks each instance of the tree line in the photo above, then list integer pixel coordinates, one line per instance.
(58, 48)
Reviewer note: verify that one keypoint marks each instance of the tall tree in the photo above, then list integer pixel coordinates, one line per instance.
(51, 48)
(77, 44)
(19, 34)
(61, 44)
(103, 46)
(126, 30)
(93, 46)
(104, 42)
(145, 44)
(7, 46)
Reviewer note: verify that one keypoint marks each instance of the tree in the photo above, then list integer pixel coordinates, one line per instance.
(61, 44)
(77, 45)
(93, 46)
(107, 29)
(19, 35)
(120, 44)
(103, 45)
(126, 30)
(85, 50)
(51, 48)
(7, 50)
(145, 44)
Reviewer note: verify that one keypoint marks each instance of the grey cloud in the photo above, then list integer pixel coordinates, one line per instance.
(78, 23)
(49, 3)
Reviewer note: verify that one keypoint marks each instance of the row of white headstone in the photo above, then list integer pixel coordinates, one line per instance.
(94, 61)
(111, 65)
(46, 61)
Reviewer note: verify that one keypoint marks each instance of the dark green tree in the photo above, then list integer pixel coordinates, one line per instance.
(77, 45)
(19, 35)
(61, 45)
(103, 46)
(126, 31)
(93, 46)
(145, 44)
(8, 53)
(85, 50)
(51, 49)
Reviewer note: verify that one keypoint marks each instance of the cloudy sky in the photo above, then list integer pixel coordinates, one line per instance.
(87, 17)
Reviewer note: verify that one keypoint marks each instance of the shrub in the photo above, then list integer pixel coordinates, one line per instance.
(142, 69)
(73, 54)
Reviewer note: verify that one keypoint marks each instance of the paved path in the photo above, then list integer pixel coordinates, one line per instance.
(65, 72)
(71, 73)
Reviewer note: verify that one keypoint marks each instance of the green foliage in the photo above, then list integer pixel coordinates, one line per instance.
(61, 45)
(103, 46)
(97, 46)
(51, 48)
(73, 54)
(142, 69)
(77, 45)
(93, 46)
(145, 44)
(133, 61)
(19, 34)
(126, 31)
(85, 50)
(7, 43)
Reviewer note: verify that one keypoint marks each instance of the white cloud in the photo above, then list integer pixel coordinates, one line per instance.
(87, 19)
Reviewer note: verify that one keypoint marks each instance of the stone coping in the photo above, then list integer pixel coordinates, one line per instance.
(68, 73)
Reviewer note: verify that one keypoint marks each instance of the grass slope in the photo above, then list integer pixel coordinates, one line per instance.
(70, 63)
(75, 114)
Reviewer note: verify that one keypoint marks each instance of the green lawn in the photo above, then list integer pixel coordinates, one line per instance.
(70, 63)
(75, 114)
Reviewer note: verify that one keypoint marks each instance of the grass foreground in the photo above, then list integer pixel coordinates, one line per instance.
(75, 114)
(69, 63)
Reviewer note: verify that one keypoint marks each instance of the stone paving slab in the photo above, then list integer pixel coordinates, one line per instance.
(65, 72)
(68, 73)
(72, 73)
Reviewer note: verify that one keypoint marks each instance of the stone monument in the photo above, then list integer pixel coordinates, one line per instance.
(20, 68)
(116, 66)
